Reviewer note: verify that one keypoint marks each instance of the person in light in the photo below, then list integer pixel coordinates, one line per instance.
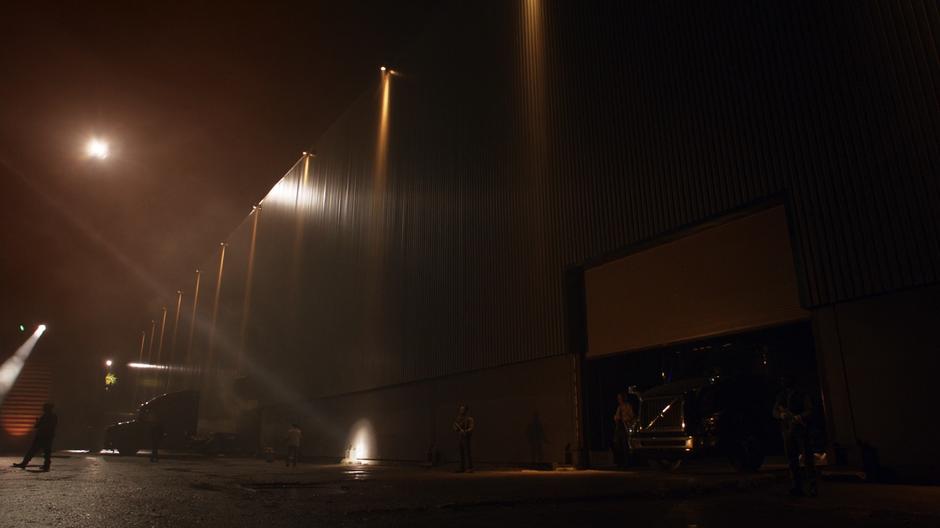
(623, 420)
(45, 432)
(463, 425)
(294, 436)
(793, 409)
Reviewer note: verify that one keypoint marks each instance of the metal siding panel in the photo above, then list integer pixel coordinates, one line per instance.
(516, 153)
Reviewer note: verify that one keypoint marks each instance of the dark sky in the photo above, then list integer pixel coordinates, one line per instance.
(206, 105)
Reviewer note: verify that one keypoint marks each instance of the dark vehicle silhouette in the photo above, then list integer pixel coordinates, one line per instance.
(710, 416)
(178, 412)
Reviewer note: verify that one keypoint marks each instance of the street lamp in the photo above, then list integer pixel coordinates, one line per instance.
(108, 363)
(97, 148)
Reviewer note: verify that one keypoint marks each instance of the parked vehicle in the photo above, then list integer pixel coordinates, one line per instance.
(177, 412)
(692, 418)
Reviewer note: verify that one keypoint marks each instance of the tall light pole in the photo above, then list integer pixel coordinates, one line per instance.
(153, 328)
(162, 332)
(140, 359)
(246, 305)
(176, 323)
(215, 304)
(192, 322)
(143, 339)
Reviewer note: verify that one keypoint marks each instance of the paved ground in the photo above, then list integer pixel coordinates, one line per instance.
(104, 491)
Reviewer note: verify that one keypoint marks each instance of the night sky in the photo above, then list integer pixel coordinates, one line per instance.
(205, 106)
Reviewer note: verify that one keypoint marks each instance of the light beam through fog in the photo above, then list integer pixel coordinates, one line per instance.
(11, 368)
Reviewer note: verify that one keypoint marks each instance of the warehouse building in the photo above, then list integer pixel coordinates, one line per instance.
(542, 203)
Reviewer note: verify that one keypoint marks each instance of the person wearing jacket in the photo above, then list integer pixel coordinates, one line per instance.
(45, 432)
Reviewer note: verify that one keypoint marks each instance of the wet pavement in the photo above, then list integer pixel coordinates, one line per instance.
(106, 490)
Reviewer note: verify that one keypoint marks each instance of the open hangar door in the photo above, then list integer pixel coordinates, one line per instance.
(719, 301)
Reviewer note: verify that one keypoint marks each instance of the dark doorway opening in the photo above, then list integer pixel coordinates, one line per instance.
(767, 354)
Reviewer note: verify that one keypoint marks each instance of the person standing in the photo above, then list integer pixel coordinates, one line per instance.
(45, 432)
(624, 417)
(156, 436)
(793, 409)
(294, 435)
(463, 425)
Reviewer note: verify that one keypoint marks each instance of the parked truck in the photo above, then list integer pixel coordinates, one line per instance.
(177, 413)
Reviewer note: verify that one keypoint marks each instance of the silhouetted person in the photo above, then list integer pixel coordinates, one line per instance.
(294, 435)
(624, 417)
(156, 436)
(793, 409)
(535, 434)
(463, 425)
(45, 432)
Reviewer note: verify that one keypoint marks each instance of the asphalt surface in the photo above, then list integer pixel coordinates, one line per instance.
(109, 491)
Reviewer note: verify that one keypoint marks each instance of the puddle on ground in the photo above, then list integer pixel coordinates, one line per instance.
(357, 474)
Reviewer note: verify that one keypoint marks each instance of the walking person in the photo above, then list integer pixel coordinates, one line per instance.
(623, 420)
(793, 408)
(294, 435)
(156, 436)
(463, 425)
(45, 432)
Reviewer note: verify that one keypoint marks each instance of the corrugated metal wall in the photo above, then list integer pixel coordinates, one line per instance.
(524, 137)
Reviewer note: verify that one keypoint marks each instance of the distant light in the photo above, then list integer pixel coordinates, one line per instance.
(108, 363)
(392, 72)
(147, 366)
(97, 148)
(22, 328)
(40, 329)
(382, 68)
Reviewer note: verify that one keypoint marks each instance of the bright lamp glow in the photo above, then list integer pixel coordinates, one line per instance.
(11, 368)
(97, 148)
(361, 443)
(107, 363)
(147, 366)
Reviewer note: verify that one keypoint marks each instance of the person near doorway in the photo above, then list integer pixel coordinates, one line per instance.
(45, 432)
(294, 435)
(624, 417)
(463, 426)
(793, 409)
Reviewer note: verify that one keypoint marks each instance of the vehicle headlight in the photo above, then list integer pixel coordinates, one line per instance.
(711, 421)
